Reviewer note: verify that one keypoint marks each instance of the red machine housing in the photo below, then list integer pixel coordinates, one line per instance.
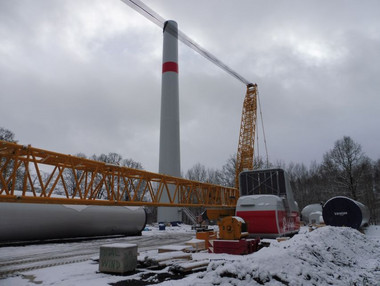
(267, 204)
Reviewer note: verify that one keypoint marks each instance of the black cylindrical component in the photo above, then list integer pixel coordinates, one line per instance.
(343, 211)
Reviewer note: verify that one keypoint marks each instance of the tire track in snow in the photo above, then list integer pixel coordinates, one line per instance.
(53, 257)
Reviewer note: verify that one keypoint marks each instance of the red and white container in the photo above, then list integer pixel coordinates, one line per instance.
(267, 204)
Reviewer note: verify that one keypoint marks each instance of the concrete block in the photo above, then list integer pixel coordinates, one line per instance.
(118, 258)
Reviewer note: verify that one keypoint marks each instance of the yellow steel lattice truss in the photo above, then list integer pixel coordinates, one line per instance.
(244, 160)
(32, 175)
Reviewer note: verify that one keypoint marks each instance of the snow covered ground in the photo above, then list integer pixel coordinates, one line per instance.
(325, 256)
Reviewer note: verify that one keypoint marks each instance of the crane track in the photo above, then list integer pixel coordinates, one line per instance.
(13, 271)
(40, 259)
(25, 263)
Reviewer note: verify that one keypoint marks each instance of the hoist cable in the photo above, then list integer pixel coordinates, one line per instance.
(160, 21)
(144, 10)
(262, 126)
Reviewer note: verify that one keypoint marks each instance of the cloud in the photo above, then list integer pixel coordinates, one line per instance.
(85, 76)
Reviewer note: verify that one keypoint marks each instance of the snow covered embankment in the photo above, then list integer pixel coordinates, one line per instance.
(326, 256)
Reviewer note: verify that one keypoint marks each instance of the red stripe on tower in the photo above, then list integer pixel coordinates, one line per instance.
(169, 67)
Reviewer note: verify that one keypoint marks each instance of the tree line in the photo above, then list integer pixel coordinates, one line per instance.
(69, 174)
(70, 183)
(345, 170)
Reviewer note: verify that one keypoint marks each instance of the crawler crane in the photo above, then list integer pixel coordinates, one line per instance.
(244, 159)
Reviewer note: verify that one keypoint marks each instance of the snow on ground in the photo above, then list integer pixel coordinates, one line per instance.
(373, 232)
(325, 256)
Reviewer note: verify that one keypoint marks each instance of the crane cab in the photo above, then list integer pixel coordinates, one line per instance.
(267, 204)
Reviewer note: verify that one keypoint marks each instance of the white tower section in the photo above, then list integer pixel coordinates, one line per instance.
(169, 156)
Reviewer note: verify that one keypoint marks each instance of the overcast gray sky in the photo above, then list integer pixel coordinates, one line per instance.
(85, 76)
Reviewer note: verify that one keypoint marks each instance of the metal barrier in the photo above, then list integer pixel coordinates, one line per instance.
(32, 175)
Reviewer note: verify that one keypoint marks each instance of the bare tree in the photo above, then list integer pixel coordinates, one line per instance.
(132, 184)
(229, 171)
(130, 163)
(214, 176)
(376, 176)
(317, 185)
(376, 192)
(117, 159)
(111, 158)
(366, 190)
(259, 163)
(71, 176)
(344, 165)
(197, 173)
(298, 177)
(7, 135)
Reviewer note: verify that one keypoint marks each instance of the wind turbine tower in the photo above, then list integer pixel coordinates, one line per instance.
(169, 154)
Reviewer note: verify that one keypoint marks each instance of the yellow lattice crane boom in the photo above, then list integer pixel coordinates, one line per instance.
(32, 175)
(244, 160)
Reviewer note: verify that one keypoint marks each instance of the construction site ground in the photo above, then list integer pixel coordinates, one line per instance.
(323, 256)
